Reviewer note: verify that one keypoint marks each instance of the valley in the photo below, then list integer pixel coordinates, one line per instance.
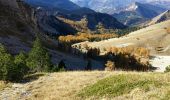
(84, 49)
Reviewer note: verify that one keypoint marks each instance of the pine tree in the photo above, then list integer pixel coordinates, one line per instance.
(8, 69)
(61, 66)
(100, 28)
(20, 61)
(5, 63)
(38, 58)
(89, 65)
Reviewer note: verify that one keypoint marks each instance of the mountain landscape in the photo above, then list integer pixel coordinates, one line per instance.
(84, 49)
(113, 6)
(50, 17)
(54, 4)
(138, 13)
(129, 12)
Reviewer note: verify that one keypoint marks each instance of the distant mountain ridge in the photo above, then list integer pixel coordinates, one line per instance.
(48, 10)
(113, 6)
(53, 4)
(137, 13)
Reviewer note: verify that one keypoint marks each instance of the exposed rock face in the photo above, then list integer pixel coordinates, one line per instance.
(10, 3)
(18, 26)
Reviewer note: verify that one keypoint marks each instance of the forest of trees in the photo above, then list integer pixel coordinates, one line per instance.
(14, 68)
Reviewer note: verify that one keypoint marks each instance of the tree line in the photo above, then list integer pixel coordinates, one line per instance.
(123, 58)
(65, 42)
(128, 58)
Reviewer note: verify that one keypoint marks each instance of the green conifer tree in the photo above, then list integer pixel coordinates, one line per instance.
(38, 58)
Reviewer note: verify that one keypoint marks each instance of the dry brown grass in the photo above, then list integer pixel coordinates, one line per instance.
(168, 30)
(3, 85)
(62, 86)
(66, 86)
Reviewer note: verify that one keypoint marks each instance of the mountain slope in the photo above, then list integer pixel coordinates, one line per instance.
(160, 18)
(67, 86)
(138, 13)
(155, 38)
(18, 28)
(48, 18)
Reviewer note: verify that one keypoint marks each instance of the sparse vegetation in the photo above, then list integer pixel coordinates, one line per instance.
(124, 84)
(122, 32)
(81, 26)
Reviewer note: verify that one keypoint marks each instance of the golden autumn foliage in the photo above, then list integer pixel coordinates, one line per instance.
(130, 58)
(80, 37)
(109, 66)
(135, 51)
(78, 25)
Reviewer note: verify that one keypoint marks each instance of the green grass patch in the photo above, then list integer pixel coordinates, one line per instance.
(119, 85)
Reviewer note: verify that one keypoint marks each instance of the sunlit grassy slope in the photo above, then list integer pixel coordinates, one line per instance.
(95, 85)
(130, 86)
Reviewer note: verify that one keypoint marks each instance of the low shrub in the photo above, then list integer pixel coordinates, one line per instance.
(167, 69)
(109, 66)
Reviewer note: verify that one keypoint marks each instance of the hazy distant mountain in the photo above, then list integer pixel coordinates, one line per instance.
(112, 6)
(52, 4)
(138, 13)
(161, 3)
